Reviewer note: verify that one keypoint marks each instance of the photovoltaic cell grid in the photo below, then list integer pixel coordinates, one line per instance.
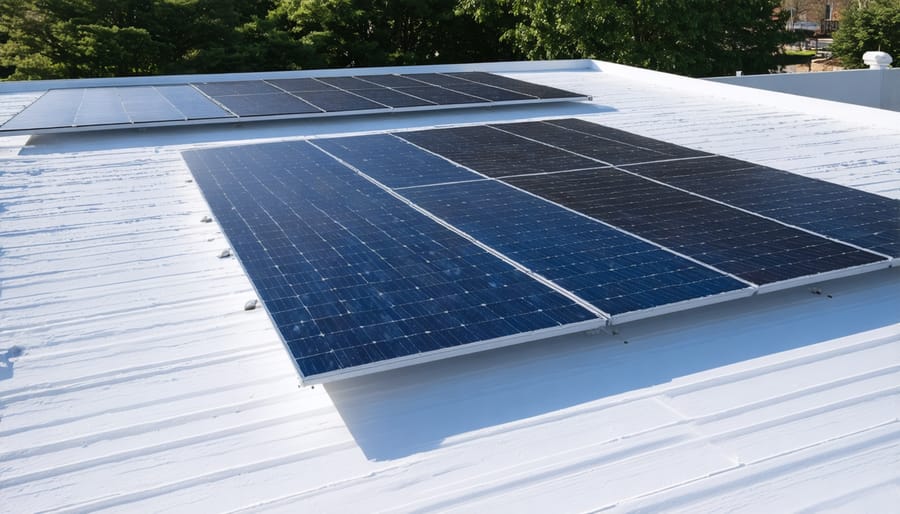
(335, 235)
(226, 101)
(584, 165)
(352, 275)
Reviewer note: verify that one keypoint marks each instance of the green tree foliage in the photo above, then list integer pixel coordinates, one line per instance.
(89, 38)
(874, 25)
(690, 37)
(99, 38)
(383, 32)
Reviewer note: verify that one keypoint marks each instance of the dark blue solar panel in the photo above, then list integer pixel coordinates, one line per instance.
(861, 218)
(394, 162)
(652, 146)
(392, 98)
(519, 86)
(615, 147)
(491, 93)
(266, 104)
(350, 274)
(237, 87)
(301, 84)
(440, 95)
(612, 270)
(753, 248)
(496, 153)
(331, 101)
(192, 103)
(438, 79)
(349, 83)
(54, 109)
(101, 106)
(391, 80)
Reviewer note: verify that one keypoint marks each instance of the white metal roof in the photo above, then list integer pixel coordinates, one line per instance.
(143, 385)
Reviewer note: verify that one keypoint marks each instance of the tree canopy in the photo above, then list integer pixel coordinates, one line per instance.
(690, 37)
(96, 38)
(873, 25)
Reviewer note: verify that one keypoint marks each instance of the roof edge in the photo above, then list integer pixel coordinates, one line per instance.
(499, 67)
(814, 106)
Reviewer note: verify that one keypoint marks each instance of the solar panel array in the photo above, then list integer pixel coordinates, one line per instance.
(375, 251)
(229, 101)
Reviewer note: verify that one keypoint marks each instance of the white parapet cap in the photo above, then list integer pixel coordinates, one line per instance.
(878, 60)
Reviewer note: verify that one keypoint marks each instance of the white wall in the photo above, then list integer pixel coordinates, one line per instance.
(871, 88)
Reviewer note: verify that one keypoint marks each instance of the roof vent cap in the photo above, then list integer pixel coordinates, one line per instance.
(878, 60)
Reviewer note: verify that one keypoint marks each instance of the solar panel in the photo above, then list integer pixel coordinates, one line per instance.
(666, 150)
(235, 87)
(519, 86)
(392, 80)
(254, 100)
(302, 84)
(146, 104)
(266, 104)
(864, 219)
(440, 95)
(394, 162)
(355, 278)
(610, 148)
(333, 101)
(392, 98)
(373, 251)
(191, 102)
(495, 153)
(54, 109)
(754, 248)
(349, 83)
(615, 272)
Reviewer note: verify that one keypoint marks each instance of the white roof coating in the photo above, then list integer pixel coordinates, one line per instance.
(132, 380)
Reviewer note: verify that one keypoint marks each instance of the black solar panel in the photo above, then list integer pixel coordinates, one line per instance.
(496, 153)
(349, 83)
(351, 275)
(519, 86)
(392, 98)
(392, 80)
(440, 95)
(301, 85)
(266, 104)
(438, 79)
(751, 247)
(237, 87)
(612, 148)
(653, 146)
(851, 215)
(333, 101)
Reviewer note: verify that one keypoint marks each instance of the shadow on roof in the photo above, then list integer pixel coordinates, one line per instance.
(98, 140)
(402, 412)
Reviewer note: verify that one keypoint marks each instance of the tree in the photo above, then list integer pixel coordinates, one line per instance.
(101, 38)
(390, 32)
(874, 25)
(690, 37)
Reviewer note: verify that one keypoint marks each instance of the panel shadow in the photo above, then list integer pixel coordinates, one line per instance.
(398, 413)
(45, 144)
